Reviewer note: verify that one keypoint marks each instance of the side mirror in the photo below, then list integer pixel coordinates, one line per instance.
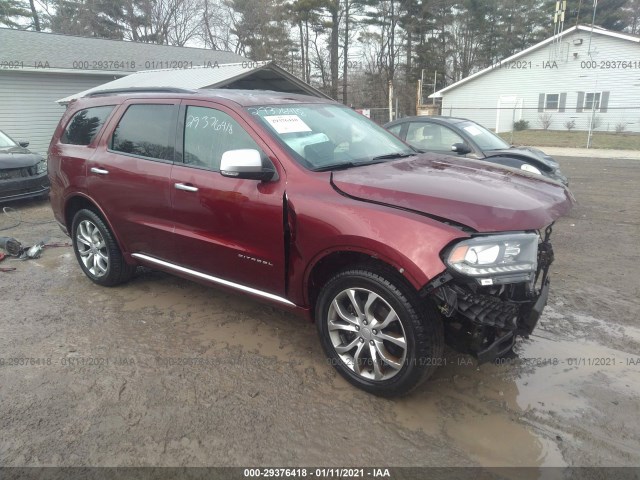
(245, 163)
(23, 144)
(460, 148)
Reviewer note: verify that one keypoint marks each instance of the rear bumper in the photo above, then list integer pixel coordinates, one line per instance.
(24, 187)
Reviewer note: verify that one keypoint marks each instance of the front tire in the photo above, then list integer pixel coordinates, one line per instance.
(377, 333)
(97, 251)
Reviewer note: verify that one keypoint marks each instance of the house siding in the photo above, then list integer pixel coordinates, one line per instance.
(478, 99)
(27, 103)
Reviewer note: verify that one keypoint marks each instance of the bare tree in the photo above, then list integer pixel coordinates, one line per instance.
(216, 25)
(186, 23)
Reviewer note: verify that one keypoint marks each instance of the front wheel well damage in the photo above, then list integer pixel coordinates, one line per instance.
(330, 265)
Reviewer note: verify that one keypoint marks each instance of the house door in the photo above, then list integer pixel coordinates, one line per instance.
(509, 110)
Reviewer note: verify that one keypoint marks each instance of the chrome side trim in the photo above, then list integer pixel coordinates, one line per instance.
(213, 279)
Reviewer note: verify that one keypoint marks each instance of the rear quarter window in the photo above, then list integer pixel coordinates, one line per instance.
(85, 125)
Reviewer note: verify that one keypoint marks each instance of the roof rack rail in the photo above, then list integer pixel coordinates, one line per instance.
(116, 91)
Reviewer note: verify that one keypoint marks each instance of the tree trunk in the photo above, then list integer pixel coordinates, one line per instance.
(303, 64)
(334, 49)
(392, 39)
(307, 65)
(34, 15)
(345, 53)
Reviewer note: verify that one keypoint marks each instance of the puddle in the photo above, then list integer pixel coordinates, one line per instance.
(558, 386)
(584, 323)
(494, 413)
(498, 441)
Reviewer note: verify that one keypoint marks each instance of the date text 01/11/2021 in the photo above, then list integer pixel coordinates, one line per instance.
(317, 472)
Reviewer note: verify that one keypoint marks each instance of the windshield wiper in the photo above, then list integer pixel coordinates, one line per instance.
(391, 156)
(336, 166)
(374, 160)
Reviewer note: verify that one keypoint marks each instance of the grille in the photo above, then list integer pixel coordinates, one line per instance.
(10, 173)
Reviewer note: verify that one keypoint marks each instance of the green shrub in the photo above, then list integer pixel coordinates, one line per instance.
(520, 125)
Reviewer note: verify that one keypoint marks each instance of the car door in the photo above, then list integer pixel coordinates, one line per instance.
(130, 177)
(226, 227)
(432, 137)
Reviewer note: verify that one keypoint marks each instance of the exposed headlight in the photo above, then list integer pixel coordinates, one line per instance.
(505, 258)
(530, 168)
(41, 167)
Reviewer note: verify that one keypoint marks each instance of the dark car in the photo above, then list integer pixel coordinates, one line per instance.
(451, 135)
(23, 174)
(306, 204)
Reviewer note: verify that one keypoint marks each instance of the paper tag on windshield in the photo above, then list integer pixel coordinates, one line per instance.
(473, 130)
(287, 123)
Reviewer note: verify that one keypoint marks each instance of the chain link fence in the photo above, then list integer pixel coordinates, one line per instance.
(614, 127)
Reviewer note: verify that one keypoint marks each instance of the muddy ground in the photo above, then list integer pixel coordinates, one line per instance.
(166, 372)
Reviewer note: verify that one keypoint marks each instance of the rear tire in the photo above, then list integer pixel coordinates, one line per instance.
(377, 333)
(97, 251)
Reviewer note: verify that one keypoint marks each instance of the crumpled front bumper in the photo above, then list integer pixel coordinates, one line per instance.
(485, 322)
(526, 325)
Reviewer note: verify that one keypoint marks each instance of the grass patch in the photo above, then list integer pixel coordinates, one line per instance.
(558, 138)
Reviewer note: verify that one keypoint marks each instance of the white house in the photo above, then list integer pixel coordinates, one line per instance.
(585, 75)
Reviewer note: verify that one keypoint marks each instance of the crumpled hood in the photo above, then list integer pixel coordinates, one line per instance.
(468, 192)
(18, 159)
(535, 156)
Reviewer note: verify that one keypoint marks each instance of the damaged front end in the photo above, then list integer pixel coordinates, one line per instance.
(494, 289)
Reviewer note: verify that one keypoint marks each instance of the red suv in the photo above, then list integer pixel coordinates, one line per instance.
(306, 204)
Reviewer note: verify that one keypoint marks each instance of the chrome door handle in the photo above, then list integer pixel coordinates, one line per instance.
(99, 171)
(186, 188)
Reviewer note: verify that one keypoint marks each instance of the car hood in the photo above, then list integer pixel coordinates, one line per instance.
(463, 191)
(18, 158)
(534, 155)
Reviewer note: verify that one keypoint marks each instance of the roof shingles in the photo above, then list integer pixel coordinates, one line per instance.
(56, 51)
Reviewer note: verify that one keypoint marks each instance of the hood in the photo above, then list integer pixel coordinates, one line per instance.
(533, 155)
(18, 158)
(467, 192)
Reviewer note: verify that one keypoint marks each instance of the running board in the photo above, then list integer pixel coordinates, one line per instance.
(213, 279)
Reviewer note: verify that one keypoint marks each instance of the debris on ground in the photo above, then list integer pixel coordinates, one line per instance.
(15, 249)
(10, 245)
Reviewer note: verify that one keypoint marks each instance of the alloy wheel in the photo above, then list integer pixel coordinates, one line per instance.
(92, 248)
(367, 334)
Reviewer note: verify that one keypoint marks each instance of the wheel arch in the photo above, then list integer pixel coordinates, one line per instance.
(329, 263)
(80, 201)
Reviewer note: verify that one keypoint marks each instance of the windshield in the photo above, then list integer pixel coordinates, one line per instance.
(486, 139)
(5, 141)
(326, 136)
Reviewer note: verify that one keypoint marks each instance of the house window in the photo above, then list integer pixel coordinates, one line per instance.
(551, 102)
(591, 102)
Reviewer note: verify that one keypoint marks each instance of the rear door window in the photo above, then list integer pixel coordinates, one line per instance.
(147, 130)
(85, 125)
